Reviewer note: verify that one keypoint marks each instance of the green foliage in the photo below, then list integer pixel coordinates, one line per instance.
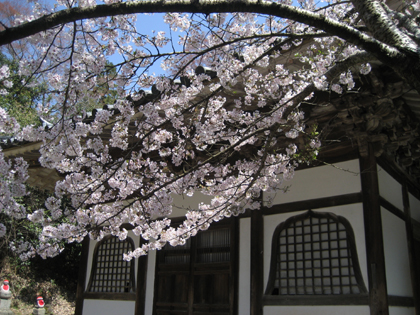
(22, 230)
(309, 154)
(22, 99)
(51, 277)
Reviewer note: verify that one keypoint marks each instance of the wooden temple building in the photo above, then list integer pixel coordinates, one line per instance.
(344, 239)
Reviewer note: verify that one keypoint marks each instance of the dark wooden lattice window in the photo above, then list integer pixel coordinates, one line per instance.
(110, 273)
(213, 246)
(175, 255)
(198, 277)
(314, 254)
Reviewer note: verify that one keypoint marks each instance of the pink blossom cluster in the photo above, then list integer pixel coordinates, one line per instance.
(13, 175)
(230, 132)
(4, 82)
(8, 124)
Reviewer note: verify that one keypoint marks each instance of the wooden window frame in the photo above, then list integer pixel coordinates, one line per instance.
(360, 298)
(123, 296)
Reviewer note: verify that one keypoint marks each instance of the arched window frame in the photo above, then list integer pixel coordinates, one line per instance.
(106, 293)
(315, 299)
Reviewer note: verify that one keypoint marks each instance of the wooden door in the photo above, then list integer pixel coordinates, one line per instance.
(200, 276)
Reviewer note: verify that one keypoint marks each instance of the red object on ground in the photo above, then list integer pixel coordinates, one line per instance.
(5, 286)
(40, 301)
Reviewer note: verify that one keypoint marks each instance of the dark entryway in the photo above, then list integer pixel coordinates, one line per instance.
(200, 276)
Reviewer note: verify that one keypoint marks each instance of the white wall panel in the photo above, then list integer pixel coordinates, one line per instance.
(397, 264)
(92, 245)
(244, 266)
(150, 282)
(104, 307)
(323, 181)
(317, 310)
(414, 207)
(394, 310)
(182, 203)
(353, 213)
(390, 189)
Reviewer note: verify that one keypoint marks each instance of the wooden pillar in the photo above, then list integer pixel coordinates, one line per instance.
(378, 295)
(410, 243)
(81, 281)
(257, 268)
(141, 285)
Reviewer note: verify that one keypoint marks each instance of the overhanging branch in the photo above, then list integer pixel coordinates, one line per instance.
(320, 21)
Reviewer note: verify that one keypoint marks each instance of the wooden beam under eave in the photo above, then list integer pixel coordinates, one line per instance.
(21, 150)
(43, 178)
(378, 294)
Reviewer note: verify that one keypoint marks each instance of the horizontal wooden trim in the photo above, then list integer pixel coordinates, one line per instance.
(184, 268)
(213, 266)
(110, 296)
(211, 272)
(391, 208)
(181, 267)
(353, 299)
(404, 301)
(325, 202)
(174, 304)
(345, 299)
(171, 272)
(213, 306)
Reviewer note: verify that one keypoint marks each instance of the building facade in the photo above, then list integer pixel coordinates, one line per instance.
(344, 238)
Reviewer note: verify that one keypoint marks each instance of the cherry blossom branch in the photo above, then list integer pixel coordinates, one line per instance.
(204, 6)
(396, 56)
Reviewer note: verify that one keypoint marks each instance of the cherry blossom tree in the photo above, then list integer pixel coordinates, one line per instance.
(224, 120)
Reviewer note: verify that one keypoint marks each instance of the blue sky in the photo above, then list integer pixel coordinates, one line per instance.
(146, 24)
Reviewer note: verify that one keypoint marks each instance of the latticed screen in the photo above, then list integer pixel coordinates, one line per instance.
(175, 255)
(314, 256)
(211, 246)
(110, 273)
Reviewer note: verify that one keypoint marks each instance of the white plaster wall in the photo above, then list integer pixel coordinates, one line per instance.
(92, 245)
(105, 307)
(353, 213)
(323, 181)
(390, 189)
(150, 283)
(397, 264)
(317, 310)
(414, 207)
(244, 291)
(183, 203)
(394, 310)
